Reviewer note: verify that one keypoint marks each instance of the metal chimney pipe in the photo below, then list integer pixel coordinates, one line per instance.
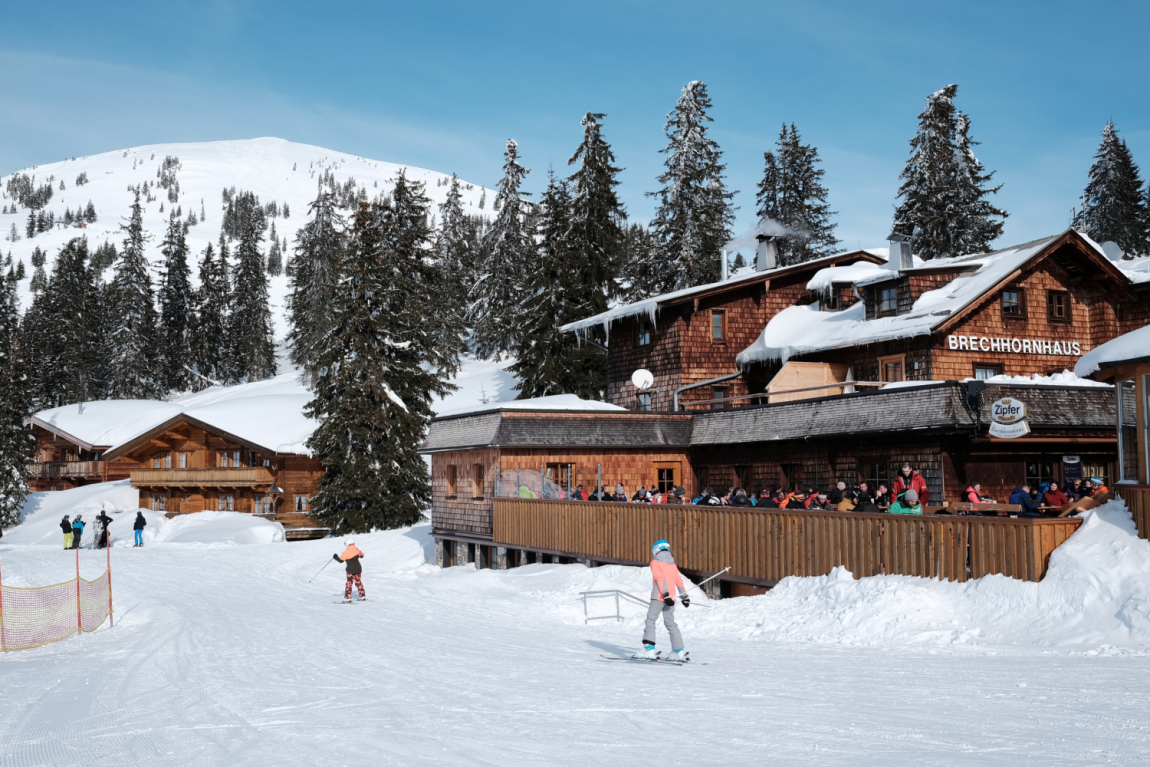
(766, 253)
(899, 256)
(725, 269)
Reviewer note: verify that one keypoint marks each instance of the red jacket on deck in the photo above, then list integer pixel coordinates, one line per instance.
(1055, 498)
(916, 483)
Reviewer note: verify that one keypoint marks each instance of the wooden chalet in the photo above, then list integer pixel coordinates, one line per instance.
(186, 465)
(817, 390)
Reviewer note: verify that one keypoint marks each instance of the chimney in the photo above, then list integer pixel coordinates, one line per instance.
(725, 268)
(900, 257)
(766, 253)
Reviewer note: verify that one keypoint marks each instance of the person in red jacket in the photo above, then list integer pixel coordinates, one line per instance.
(974, 493)
(1055, 497)
(909, 479)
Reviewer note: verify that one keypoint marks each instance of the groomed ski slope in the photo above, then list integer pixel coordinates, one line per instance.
(225, 654)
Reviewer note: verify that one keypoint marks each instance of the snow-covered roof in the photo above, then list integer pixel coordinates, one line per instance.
(650, 306)
(557, 402)
(1125, 349)
(804, 329)
(831, 275)
(104, 423)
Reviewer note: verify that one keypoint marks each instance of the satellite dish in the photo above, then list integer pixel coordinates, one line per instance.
(643, 379)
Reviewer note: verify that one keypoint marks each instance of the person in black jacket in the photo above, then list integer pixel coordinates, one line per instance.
(740, 498)
(66, 526)
(350, 557)
(138, 529)
(103, 534)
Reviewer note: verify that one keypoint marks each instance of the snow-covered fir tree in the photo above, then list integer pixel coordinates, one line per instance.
(792, 196)
(275, 255)
(17, 444)
(131, 338)
(695, 213)
(176, 313)
(640, 273)
(251, 345)
(596, 221)
(377, 371)
(507, 251)
(39, 278)
(212, 300)
(1114, 205)
(547, 361)
(314, 276)
(944, 187)
(456, 247)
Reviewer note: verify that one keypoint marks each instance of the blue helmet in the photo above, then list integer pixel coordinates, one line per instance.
(660, 545)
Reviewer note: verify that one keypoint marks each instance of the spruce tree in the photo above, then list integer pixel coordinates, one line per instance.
(457, 249)
(944, 187)
(175, 299)
(596, 221)
(1114, 203)
(251, 345)
(547, 361)
(376, 377)
(314, 276)
(133, 371)
(695, 213)
(275, 255)
(507, 250)
(63, 326)
(792, 195)
(212, 299)
(17, 444)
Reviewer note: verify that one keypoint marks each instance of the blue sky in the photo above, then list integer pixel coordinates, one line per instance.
(441, 85)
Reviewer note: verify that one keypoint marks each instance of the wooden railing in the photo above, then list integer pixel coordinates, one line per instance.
(769, 544)
(248, 476)
(66, 469)
(1137, 499)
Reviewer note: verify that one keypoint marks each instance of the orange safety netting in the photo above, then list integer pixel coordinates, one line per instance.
(30, 617)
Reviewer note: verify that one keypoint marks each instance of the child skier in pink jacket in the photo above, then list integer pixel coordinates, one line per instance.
(667, 581)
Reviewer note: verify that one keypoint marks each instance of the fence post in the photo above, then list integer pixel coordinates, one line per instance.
(111, 620)
(79, 609)
(2, 647)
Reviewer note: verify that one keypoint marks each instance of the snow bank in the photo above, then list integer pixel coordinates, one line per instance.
(226, 528)
(1065, 378)
(479, 382)
(1130, 346)
(825, 278)
(555, 402)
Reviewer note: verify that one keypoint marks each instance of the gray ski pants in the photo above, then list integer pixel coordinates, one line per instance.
(659, 606)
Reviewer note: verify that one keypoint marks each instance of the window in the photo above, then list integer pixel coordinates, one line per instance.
(236, 459)
(478, 480)
(168, 461)
(644, 333)
(720, 394)
(888, 301)
(718, 327)
(226, 503)
(222, 459)
(644, 402)
(982, 372)
(874, 474)
(159, 502)
(1096, 469)
(302, 502)
(792, 475)
(252, 458)
(743, 478)
(262, 504)
(1038, 472)
(1058, 306)
(452, 476)
(562, 474)
(1013, 303)
(665, 477)
(156, 462)
(183, 460)
(891, 369)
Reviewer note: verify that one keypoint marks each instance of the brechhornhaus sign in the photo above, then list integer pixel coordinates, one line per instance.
(1015, 345)
(1008, 419)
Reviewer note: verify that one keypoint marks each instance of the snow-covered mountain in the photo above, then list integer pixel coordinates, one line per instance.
(272, 168)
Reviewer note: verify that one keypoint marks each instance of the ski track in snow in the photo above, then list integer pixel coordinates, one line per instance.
(225, 655)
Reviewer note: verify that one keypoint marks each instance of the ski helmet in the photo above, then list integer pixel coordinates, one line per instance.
(660, 545)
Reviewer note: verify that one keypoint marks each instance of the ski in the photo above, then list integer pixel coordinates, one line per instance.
(641, 659)
(349, 601)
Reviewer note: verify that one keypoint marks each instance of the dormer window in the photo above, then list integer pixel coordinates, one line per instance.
(888, 301)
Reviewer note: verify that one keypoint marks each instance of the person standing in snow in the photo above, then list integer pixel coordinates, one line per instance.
(666, 579)
(138, 529)
(66, 526)
(350, 557)
(77, 530)
(103, 533)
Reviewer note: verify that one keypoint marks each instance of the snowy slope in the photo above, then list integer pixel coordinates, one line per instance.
(262, 165)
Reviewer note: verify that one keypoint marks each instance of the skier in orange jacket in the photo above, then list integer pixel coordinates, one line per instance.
(667, 581)
(350, 557)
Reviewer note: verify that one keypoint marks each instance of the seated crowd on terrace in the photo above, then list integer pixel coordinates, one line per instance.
(908, 494)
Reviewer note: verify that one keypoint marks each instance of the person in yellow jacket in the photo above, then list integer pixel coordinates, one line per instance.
(667, 582)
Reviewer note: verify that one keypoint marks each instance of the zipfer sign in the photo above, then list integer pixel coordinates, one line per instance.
(1008, 417)
(1015, 345)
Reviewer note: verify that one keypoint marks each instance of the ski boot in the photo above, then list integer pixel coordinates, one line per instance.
(680, 656)
(649, 652)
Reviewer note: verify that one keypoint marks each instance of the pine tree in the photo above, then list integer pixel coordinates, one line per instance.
(1114, 203)
(39, 279)
(315, 274)
(251, 345)
(549, 362)
(13, 234)
(507, 250)
(210, 342)
(17, 444)
(597, 216)
(133, 372)
(695, 213)
(792, 196)
(175, 299)
(640, 271)
(376, 377)
(275, 255)
(944, 187)
(456, 249)
(20, 274)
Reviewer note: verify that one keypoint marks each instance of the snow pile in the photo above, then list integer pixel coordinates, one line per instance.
(480, 382)
(558, 402)
(1065, 378)
(227, 528)
(825, 278)
(1134, 345)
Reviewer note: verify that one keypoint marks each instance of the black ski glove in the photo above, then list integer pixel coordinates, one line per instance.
(668, 601)
(335, 557)
(686, 601)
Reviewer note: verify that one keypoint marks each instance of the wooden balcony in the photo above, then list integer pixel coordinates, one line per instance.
(66, 470)
(246, 476)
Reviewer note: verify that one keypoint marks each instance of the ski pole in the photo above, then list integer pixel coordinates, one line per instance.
(321, 570)
(713, 577)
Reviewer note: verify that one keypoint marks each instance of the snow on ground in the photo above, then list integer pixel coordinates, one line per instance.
(240, 655)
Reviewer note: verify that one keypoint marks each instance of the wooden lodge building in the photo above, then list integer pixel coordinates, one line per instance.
(836, 370)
